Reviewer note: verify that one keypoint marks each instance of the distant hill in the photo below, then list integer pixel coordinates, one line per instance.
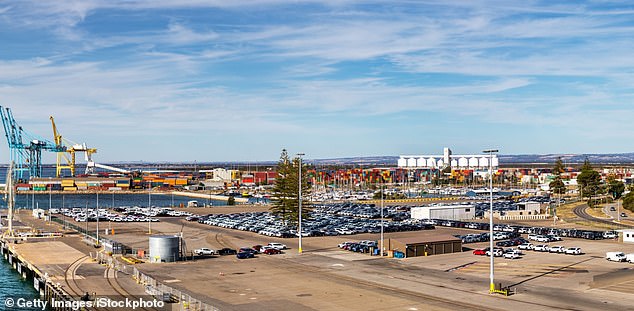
(620, 158)
(377, 161)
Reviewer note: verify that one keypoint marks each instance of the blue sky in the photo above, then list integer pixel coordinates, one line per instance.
(240, 80)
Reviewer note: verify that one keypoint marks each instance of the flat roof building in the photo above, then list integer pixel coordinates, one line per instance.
(425, 245)
(449, 212)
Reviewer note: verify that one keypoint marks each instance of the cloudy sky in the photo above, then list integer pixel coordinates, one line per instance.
(239, 80)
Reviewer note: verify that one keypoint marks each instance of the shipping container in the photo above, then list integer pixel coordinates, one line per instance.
(70, 188)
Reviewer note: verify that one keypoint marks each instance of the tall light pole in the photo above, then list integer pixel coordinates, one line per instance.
(299, 182)
(149, 206)
(381, 250)
(490, 152)
(97, 217)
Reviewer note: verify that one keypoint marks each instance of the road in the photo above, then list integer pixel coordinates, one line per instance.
(580, 211)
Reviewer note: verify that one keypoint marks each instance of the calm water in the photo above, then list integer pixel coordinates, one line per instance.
(13, 286)
(106, 200)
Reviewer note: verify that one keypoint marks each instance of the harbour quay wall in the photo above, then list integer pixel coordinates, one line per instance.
(48, 290)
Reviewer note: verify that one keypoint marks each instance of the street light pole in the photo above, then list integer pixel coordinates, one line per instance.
(491, 275)
(299, 178)
(381, 250)
(149, 206)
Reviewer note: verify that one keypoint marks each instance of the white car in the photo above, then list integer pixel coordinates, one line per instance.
(511, 255)
(541, 248)
(496, 252)
(526, 246)
(573, 251)
(542, 238)
(278, 246)
(556, 249)
(204, 251)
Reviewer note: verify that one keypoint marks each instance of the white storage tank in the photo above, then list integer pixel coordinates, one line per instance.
(164, 248)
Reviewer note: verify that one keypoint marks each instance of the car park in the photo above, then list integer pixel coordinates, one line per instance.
(573, 251)
(204, 251)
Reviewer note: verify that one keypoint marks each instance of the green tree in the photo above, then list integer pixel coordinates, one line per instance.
(559, 167)
(285, 201)
(557, 186)
(628, 201)
(589, 180)
(615, 188)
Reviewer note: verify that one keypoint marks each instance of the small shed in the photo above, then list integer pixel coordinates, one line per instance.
(627, 235)
(425, 245)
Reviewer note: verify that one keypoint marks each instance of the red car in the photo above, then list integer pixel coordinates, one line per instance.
(272, 251)
(480, 252)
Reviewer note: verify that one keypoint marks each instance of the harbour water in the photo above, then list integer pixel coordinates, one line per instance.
(106, 200)
(12, 286)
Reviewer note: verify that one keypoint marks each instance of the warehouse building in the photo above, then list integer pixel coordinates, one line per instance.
(449, 212)
(426, 245)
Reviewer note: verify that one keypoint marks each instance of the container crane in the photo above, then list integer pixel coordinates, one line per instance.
(26, 156)
(70, 150)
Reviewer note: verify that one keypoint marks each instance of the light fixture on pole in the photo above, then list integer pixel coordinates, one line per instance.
(490, 152)
(299, 201)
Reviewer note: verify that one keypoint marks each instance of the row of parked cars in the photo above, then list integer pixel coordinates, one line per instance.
(272, 248)
(317, 224)
(365, 246)
(560, 232)
(551, 249)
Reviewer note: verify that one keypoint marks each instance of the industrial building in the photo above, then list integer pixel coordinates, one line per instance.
(466, 161)
(449, 212)
(425, 245)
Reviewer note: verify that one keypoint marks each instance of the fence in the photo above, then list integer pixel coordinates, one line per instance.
(168, 294)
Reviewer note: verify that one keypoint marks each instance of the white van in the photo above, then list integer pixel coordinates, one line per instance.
(615, 256)
(629, 258)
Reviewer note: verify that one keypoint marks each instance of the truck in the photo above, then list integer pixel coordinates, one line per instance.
(615, 256)
(629, 258)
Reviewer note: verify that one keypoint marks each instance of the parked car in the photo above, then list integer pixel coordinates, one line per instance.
(245, 255)
(479, 252)
(615, 256)
(497, 252)
(609, 235)
(541, 248)
(556, 249)
(204, 251)
(271, 251)
(573, 251)
(276, 245)
(526, 246)
(511, 255)
(542, 238)
(227, 251)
